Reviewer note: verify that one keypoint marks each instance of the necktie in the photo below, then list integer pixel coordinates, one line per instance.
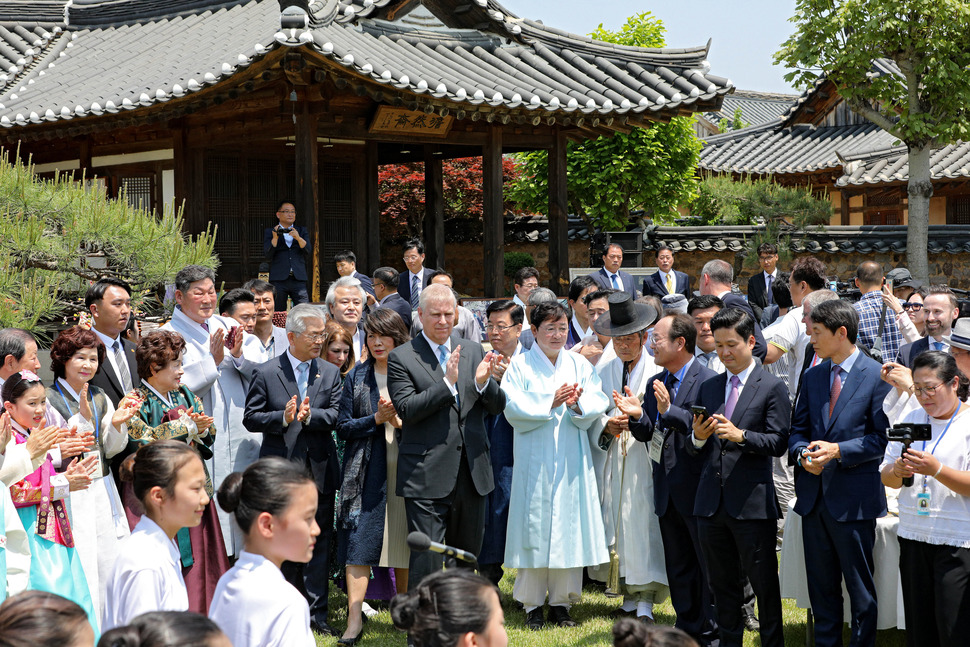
(616, 286)
(732, 400)
(836, 387)
(415, 292)
(670, 283)
(768, 288)
(671, 383)
(205, 326)
(937, 345)
(443, 354)
(122, 363)
(302, 373)
(705, 358)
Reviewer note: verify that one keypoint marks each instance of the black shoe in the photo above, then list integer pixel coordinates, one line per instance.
(751, 623)
(322, 628)
(561, 617)
(533, 619)
(350, 642)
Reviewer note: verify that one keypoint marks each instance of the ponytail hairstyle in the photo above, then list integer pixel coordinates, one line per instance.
(39, 618)
(628, 632)
(444, 607)
(265, 486)
(945, 368)
(156, 464)
(164, 629)
(17, 384)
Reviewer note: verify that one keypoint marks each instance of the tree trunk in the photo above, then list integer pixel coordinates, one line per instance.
(920, 191)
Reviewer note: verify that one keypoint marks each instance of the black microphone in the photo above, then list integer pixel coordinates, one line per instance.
(420, 542)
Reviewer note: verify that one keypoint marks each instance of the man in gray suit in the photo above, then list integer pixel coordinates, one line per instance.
(293, 401)
(441, 387)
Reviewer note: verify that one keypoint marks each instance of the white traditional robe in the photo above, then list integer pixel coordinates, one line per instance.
(255, 606)
(14, 548)
(223, 394)
(638, 541)
(554, 510)
(254, 351)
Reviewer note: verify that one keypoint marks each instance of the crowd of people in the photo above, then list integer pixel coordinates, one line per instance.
(649, 438)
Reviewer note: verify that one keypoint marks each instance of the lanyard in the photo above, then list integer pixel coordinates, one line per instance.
(97, 419)
(937, 443)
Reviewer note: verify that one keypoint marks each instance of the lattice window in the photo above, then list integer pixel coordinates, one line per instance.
(139, 191)
(892, 214)
(336, 213)
(959, 210)
(224, 205)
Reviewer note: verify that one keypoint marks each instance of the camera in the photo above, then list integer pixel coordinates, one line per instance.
(907, 433)
(284, 230)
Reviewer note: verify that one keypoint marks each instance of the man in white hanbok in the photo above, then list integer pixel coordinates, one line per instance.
(555, 523)
(213, 373)
(632, 526)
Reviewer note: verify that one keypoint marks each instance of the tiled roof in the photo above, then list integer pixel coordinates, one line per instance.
(892, 165)
(802, 148)
(124, 54)
(22, 45)
(952, 239)
(756, 107)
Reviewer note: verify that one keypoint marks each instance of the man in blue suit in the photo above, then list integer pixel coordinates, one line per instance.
(838, 438)
(941, 309)
(610, 277)
(749, 414)
(663, 422)
(666, 280)
(287, 249)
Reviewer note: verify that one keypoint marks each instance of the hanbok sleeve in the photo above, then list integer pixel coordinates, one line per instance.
(25, 493)
(115, 439)
(528, 401)
(17, 547)
(593, 402)
(137, 592)
(291, 628)
(16, 463)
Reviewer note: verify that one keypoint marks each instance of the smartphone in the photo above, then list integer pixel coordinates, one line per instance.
(699, 411)
(230, 339)
(889, 285)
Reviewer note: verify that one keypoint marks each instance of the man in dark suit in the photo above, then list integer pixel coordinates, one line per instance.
(441, 388)
(412, 281)
(346, 262)
(663, 422)
(287, 250)
(666, 280)
(941, 309)
(838, 438)
(385, 290)
(737, 510)
(610, 277)
(716, 278)
(759, 285)
(109, 302)
(293, 401)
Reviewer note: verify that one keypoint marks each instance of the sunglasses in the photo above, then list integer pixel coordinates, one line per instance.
(912, 305)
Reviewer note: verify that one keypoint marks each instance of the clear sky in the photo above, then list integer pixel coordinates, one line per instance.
(745, 34)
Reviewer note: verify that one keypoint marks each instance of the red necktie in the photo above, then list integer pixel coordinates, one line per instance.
(836, 388)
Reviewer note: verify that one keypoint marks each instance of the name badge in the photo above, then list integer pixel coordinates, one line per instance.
(923, 504)
(656, 444)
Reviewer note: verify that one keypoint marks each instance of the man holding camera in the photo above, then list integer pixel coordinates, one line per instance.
(287, 250)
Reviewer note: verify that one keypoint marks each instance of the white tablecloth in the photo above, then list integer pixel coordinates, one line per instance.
(889, 593)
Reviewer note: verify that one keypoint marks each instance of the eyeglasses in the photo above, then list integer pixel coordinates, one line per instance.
(498, 328)
(927, 391)
(412, 257)
(555, 330)
(313, 338)
(912, 305)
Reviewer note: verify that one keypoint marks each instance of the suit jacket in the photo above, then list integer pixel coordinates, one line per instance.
(107, 379)
(365, 282)
(283, 259)
(758, 292)
(654, 284)
(909, 352)
(404, 283)
(398, 305)
(436, 429)
(732, 300)
(602, 278)
(851, 488)
(273, 384)
(738, 475)
(675, 478)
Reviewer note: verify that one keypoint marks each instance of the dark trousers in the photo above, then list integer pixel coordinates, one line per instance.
(732, 548)
(833, 550)
(295, 290)
(690, 590)
(936, 593)
(313, 578)
(457, 520)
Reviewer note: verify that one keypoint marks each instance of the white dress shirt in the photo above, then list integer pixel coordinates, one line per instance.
(255, 606)
(146, 577)
(109, 350)
(743, 377)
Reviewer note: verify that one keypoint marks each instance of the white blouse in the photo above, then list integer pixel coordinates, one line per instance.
(948, 521)
(146, 577)
(255, 606)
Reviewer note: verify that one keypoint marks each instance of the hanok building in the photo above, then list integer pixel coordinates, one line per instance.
(227, 106)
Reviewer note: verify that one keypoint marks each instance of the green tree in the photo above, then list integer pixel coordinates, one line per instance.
(650, 168)
(735, 123)
(58, 236)
(925, 105)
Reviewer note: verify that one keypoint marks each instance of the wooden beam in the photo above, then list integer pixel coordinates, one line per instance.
(372, 199)
(844, 207)
(558, 211)
(308, 188)
(434, 209)
(494, 232)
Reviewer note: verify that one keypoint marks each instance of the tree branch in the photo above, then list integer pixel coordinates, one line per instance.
(873, 115)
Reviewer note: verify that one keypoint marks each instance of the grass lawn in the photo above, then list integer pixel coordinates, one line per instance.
(592, 614)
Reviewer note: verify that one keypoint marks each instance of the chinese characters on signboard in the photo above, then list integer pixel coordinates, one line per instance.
(400, 121)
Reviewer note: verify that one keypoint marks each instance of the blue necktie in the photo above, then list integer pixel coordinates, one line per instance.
(443, 354)
(768, 289)
(937, 345)
(616, 286)
(302, 373)
(415, 292)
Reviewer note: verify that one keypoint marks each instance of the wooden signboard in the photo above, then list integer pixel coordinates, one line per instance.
(399, 121)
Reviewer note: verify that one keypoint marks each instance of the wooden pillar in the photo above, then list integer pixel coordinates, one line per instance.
(558, 212)
(84, 156)
(494, 232)
(373, 209)
(308, 187)
(182, 157)
(434, 210)
(844, 204)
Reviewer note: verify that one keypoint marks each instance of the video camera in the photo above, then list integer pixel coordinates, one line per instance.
(907, 433)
